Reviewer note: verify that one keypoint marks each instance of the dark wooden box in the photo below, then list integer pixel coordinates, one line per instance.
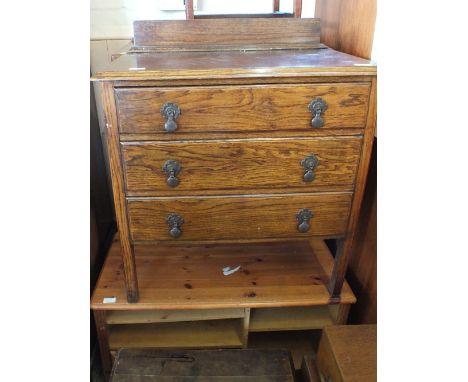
(259, 365)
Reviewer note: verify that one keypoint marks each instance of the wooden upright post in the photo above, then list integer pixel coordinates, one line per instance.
(189, 15)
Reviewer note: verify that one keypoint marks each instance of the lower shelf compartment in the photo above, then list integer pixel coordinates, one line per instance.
(190, 335)
(294, 318)
(299, 343)
(153, 316)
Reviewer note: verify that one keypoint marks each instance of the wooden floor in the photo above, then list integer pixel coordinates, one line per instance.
(187, 277)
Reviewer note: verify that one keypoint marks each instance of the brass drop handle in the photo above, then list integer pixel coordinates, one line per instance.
(172, 169)
(171, 112)
(317, 107)
(174, 221)
(303, 217)
(309, 163)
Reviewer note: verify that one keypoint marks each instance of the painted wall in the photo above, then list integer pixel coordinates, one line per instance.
(112, 19)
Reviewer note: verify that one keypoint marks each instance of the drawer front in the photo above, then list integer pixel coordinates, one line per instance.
(243, 108)
(249, 217)
(241, 166)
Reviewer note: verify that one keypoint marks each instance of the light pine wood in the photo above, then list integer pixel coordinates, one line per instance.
(188, 335)
(188, 277)
(240, 166)
(293, 318)
(246, 326)
(244, 217)
(154, 316)
(217, 34)
(242, 108)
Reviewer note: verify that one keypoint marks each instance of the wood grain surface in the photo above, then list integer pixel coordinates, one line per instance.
(247, 65)
(244, 217)
(218, 34)
(342, 258)
(170, 315)
(238, 167)
(309, 369)
(116, 174)
(262, 365)
(291, 318)
(190, 277)
(103, 337)
(347, 25)
(188, 335)
(348, 353)
(242, 108)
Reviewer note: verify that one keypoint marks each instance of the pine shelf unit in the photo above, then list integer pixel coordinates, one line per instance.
(187, 302)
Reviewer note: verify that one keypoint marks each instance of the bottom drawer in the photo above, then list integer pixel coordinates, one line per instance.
(235, 217)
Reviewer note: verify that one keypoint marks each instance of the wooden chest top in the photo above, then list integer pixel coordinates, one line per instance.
(231, 48)
(268, 365)
(235, 64)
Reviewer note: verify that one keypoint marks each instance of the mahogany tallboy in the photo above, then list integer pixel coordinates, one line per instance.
(247, 134)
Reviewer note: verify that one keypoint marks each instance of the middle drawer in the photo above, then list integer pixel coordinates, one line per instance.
(241, 166)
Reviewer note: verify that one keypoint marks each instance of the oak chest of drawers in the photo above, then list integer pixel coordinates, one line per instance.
(219, 134)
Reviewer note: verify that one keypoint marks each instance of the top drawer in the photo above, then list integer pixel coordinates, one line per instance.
(242, 108)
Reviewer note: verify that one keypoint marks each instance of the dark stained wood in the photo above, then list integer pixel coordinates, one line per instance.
(237, 167)
(189, 14)
(236, 135)
(297, 8)
(155, 82)
(103, 337)
(244, 217)
(348, 25)
(218, 33)
(100, 190)
(115, 167)
(348, 353)
(248, 93)
(259, 365)
(246, 15)
(344, 252)
(309, 370)
(276, 5)
(342, 312)
(190, 277)
(242, 108)
(362, 272)
(249, 65)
